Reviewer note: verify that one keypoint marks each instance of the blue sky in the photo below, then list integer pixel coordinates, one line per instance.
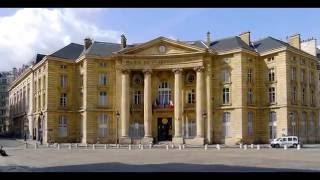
(47, 30)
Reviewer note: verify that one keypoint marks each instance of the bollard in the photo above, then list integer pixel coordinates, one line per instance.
(167, 147)
(36, 146)
(129, 146)
(58, 146)
(285, 147)
(70, 146)
(150, 146)
(218, 146)
(298, 147)
(118, 146)
(142, 147)
(48, 145)
(240, 145)
(258, 147)
(76, 145)
(105, 146)
(251, 146)
(180, 148)
(26, 145)
(86, 146)
(139, 146)
(183, 146)
(172, 146)
(245, 147)
(206, 147)
(93, 146)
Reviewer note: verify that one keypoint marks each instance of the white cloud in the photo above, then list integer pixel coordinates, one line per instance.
(31, 31)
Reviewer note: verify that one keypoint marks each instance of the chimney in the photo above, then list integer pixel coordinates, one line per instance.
(309, 46)
(87, 43)
(14, 72)
(294, 40)
(123, 41)
(245, 36)
(208, 39)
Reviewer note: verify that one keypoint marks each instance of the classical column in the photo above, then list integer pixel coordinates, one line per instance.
(199, 105)
(177, 106)
(147, 104)
(124, 112)
(209, 104)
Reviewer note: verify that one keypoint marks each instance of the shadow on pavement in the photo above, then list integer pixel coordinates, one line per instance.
(170, 167)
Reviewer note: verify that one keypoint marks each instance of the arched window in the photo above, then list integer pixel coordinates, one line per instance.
(226, 124)
(164, 93)
(63, 126)
(272, 125)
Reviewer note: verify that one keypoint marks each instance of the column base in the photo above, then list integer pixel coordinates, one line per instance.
(147, 140)
(177, 140)
(195, 141)
(124, 140)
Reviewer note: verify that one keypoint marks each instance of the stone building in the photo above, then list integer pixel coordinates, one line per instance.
(5, 79)
(226, 91)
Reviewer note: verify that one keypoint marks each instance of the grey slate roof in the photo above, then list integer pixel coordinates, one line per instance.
(39, 58)
(268, 43)
(229, 44)
(71, 51)
(102, 48)
(198, 43)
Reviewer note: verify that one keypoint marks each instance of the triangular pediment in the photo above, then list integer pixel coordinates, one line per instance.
(161, 46)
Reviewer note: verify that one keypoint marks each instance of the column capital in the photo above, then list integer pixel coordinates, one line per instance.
(199, 69)
(177, 70)
(125, 71)
(147, 71)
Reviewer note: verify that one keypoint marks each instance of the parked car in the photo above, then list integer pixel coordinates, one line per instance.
(290, 141)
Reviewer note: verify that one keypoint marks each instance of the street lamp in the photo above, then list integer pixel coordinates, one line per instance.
(117, 116)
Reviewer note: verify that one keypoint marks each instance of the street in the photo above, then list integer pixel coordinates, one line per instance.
(157, 159)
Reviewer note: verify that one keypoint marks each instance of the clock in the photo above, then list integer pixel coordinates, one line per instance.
(162, 49)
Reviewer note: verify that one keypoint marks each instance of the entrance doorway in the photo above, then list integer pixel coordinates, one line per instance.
(164, 129)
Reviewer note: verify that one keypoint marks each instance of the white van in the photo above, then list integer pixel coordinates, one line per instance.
(290, 141)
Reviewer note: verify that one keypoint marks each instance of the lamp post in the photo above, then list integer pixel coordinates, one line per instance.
(117, 116)
(42, 128)
(204, 116)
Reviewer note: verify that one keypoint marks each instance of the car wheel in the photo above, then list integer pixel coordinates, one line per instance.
(295, 145)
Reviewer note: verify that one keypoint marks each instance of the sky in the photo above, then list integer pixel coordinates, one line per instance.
(26, 32)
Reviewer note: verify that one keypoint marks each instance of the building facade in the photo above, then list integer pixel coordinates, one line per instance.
(5, 79)
(223, 91)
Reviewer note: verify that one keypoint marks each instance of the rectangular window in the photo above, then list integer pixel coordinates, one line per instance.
(311, 78)
(63, 66)
(271, 74)
(103, 64)
(312, 98)
(191, 96)
(303, 76)
(312, 125)
(226, 124)
(63, 127)
(63, 100)
(250, 96)
(226, 76)
(226, 96)
(81, 99)
(303, 95)
(272, 95)
(272, 125)
(44, 82)
(136, 130)
(103, 125)
(293, 73)
(249, 76)
(137, 97)
(103, 79)
(103, 98)
(63, 81)
(250, 123)
(294, 94)
(190, 129)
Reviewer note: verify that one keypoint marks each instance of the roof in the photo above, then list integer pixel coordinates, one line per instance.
(230, 43)
(197, 43)
(71, 51)
(103, 48)
(268, 43)
(39, 57)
